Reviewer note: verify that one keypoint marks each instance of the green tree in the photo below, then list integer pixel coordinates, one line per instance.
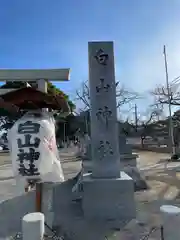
(55, 91)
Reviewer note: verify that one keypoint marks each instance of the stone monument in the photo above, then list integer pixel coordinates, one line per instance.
(87, 150)
(126, 155)
(107, 191)
(129, 165)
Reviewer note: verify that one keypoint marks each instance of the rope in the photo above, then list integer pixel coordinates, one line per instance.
(54, 236)
(152, 230)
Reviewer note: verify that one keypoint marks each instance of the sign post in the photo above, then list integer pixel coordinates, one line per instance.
(43, 190)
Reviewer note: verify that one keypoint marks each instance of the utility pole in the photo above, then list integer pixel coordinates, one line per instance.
(86, 124)
(171, 128)
(136, 117)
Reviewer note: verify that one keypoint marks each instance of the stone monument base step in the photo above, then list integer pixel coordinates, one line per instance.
(128, 160)
(87, 166)
(125, 160)
(108, 199)
(129, 156)
(138, 178)
(131, 170)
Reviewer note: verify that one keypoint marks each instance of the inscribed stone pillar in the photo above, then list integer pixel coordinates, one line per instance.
(104, 128)
(107, 191)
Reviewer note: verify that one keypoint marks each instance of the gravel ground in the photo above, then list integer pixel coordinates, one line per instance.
(8, 187)
(163, 180)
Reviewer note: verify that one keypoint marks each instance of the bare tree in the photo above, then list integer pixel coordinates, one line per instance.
(161, 96)
(147, 126)
(83, 95)
(123, 95)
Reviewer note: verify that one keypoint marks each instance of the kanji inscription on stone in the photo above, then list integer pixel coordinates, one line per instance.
(28, 127)
(104, 114)
(104, 149)
(101, 57)
(102, 86)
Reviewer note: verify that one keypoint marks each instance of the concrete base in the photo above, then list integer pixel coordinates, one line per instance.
(87, 166)
(131, 170)
(128, 156)
(128, 160)
(138, 178)
(170, 218)
(69, 218)
(33, 226)
(108, 199)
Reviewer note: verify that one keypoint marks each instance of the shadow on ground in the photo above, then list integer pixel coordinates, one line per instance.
(6, 178)
(164, 160)
(167, 176)
(12, 212)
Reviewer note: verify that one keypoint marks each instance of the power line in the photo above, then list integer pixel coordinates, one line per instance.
(174, 85)
(175, 80)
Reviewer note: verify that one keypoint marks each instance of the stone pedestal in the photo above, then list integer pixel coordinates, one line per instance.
(108, 199)
(127, 158)
(128, 164)
(124, 148)
(87, 166)
(108, 193)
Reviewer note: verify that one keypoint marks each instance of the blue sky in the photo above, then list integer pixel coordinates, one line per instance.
(55, 33)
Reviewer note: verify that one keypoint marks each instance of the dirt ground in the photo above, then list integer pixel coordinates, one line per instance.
(163, 179)
(164, 188)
